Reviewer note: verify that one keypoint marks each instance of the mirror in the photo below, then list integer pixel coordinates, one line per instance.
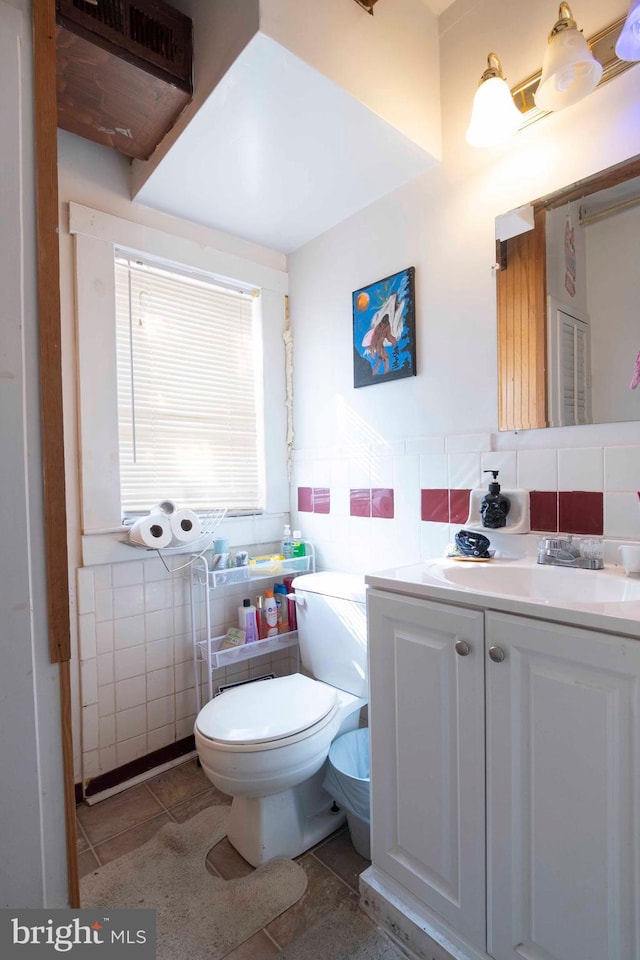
(568, 304)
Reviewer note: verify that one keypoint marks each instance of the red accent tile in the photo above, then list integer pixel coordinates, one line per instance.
(435, 505)
(544, 510)
(459, 506)
(360, 501)
(382, 503)
(581, 511)
(305, 499)
(321, 500)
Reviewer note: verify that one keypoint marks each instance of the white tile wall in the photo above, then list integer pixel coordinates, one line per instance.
(622, 468)
(464, 471)
(359, 543)
(581, 468)
(136, 657)
(538, 470)
(505, 462)
(137, 685)
(434, 471)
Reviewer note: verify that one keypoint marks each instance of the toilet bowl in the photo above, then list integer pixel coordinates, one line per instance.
(266, 743)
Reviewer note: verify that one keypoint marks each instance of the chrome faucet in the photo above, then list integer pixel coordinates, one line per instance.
(586, 554)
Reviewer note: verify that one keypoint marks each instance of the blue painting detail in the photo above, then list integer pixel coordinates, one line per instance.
(384, 330)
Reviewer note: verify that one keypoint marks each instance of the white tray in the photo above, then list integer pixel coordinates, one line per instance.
(211, 653)
(252, 572)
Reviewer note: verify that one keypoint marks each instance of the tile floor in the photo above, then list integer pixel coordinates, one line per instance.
(121, 823)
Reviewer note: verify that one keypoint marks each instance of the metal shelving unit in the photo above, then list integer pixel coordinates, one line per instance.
(208, 650)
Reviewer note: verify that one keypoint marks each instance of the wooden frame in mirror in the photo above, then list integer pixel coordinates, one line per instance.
(568, 331)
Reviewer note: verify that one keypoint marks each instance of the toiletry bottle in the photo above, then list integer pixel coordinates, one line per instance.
(270, 614)
(248, 621)
(291, 604)
(280, 594)
(495, 506)
(298, 545)
(287, 543)
(262, 626)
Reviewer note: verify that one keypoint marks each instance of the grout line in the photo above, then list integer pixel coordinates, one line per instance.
(163, 809)
(168, 810)
(122, 832)
(273, 939)
(90, 846)
(82, 830)
(337, 875)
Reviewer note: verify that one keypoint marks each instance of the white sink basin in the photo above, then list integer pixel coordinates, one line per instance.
(524, 580)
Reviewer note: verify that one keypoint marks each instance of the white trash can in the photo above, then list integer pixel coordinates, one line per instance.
(348, 781)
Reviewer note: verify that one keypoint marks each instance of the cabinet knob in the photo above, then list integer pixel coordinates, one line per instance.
(462, 648)
(496, 654)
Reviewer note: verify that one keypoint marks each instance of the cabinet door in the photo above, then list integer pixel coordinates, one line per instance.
(562, 792)
(427, 746)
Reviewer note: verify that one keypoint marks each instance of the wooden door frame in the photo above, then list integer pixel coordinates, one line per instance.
(51, 414)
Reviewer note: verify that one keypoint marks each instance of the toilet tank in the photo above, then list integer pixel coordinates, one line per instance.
(332, 629)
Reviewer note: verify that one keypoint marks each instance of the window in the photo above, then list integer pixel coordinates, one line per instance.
(258, 480)
(189, 403)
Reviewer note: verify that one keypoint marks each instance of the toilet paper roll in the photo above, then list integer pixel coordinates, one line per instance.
(152, 531)
(185, 526)
(166, 507)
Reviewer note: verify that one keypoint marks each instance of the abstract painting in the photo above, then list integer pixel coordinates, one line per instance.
(384, 335)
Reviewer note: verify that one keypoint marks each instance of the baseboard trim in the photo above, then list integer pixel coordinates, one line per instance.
(410, 923)
(136, 768)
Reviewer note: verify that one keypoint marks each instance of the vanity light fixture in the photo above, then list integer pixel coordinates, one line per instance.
(628, 45)
(570, 75)
(494, 117)
(569, 69)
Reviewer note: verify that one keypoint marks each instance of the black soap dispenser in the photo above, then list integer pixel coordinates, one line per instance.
(495, 506)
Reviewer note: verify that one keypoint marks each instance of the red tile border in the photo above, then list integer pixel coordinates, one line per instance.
(305, 499)
(581, 511)
(459, 506)
(544, 510)
(360, 502)
(321, 497)
(434, 505)
(382, 503)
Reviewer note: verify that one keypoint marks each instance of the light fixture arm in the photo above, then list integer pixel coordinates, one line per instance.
(367, 5)
(494, 68)
(565, 21)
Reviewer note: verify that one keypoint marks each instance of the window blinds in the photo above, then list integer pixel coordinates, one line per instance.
(187, 356)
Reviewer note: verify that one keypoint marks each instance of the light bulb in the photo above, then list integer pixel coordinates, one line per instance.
(494, 117)
(569, 70)
(628, 43)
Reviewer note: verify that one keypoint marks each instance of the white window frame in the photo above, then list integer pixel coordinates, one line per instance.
(97, 236)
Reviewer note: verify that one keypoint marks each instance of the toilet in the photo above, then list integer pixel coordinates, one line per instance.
(266, 743)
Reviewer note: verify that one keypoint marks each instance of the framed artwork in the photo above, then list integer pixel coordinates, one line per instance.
(384, 330)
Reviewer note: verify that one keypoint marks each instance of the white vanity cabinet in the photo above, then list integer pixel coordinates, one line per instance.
(563, 792)
(541, 719)
(428, 763)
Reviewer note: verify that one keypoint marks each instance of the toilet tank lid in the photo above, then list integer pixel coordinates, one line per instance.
(343, 586)
(265, 711)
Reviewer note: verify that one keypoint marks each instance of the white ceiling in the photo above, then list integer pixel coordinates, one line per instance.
(278, 154)
(437, 6)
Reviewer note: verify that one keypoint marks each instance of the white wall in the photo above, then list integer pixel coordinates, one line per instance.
(134, 687)
(32, 837)
(612, 257)
(414, 433)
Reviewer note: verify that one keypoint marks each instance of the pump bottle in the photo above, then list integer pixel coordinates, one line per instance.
(495, 506)
(248, 621)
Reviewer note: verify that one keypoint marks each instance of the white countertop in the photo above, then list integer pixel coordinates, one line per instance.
(561, 595)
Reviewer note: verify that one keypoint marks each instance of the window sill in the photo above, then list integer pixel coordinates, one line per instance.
(113, 546)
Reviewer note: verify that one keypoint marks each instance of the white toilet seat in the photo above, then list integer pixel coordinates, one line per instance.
(267, 715)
